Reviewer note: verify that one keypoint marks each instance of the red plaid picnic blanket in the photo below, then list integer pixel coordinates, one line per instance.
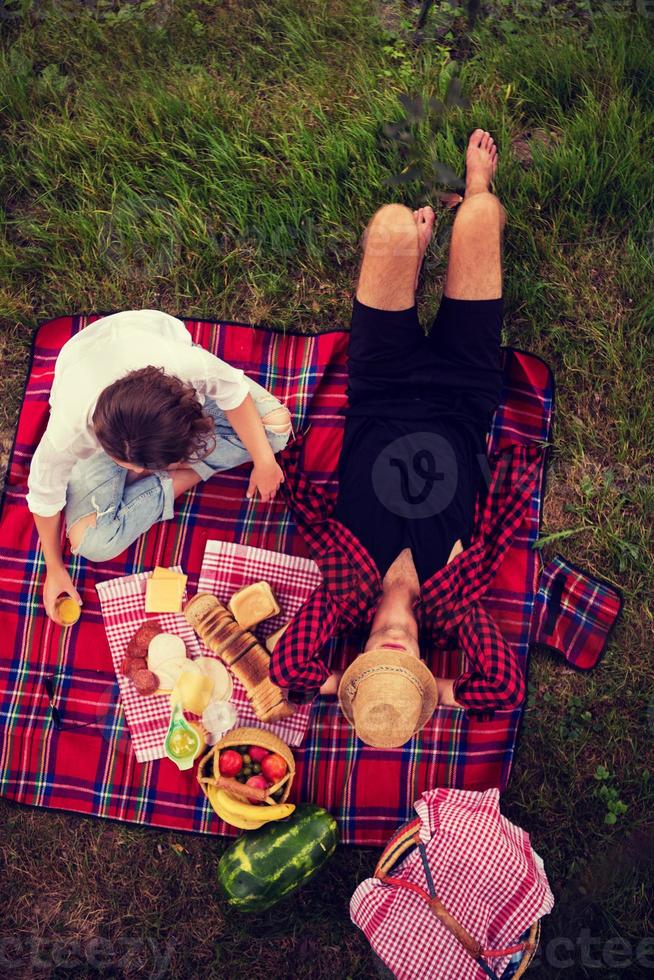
(89, 765)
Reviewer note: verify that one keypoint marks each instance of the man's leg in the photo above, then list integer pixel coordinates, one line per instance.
(475, 262)
(394, 244)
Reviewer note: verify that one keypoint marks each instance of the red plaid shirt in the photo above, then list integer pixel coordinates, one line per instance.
(448, 608)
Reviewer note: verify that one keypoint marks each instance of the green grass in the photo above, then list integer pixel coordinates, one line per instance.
(222, 160)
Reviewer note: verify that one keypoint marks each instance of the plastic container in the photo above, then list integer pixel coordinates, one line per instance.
(218, 717)
(183, 740)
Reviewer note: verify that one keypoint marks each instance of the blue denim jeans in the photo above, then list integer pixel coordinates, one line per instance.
(125, 510)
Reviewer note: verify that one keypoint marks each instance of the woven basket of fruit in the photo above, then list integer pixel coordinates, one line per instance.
(247, 777)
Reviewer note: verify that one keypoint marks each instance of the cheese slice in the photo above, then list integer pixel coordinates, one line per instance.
(220, 677)
(194, 690)
(170, 672)
(168, 573)
(163, 595)
(168, 676)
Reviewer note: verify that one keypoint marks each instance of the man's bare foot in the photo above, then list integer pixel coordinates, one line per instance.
(424, 219)
(481, 162)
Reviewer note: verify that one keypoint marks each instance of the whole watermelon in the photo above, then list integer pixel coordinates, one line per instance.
(262, 866)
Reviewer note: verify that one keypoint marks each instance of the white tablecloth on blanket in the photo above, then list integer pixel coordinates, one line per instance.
(225, 568)
(122, 601)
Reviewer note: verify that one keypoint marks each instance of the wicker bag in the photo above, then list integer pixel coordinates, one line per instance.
(208, 772)
(521, 952)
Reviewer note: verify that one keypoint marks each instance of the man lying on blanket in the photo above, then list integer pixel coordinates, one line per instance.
(411, 466)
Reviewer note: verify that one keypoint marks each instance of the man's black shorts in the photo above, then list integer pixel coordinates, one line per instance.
(394, 366)
(414, 442)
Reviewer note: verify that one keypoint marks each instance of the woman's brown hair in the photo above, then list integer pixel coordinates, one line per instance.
(151, 419)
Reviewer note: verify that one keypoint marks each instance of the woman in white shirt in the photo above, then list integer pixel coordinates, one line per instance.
(138, 415)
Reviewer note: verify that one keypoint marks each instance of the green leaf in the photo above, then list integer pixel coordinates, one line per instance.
(559, 535)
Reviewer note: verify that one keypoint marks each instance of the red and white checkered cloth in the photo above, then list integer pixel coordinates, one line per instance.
(485, 873)
(122, 601)
(225, 568)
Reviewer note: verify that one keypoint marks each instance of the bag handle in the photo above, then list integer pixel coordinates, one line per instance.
(406, 837)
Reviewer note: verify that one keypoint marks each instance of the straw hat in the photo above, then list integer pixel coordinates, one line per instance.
(387, 696)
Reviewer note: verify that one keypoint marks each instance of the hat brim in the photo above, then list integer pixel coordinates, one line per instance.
(384, 657)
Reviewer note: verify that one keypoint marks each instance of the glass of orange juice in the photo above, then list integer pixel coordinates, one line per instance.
(68, 610)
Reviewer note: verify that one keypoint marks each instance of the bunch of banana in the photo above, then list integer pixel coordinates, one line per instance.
(245, 816)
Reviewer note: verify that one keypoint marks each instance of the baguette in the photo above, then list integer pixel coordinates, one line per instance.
(241, 652)
(219, 636)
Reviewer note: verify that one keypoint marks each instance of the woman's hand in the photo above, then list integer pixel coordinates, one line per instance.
(58, 581)
(266, 477)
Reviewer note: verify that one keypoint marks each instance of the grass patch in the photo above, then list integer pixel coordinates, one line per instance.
(222, 160)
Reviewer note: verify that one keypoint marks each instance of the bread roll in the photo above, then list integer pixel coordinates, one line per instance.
(253, 604)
